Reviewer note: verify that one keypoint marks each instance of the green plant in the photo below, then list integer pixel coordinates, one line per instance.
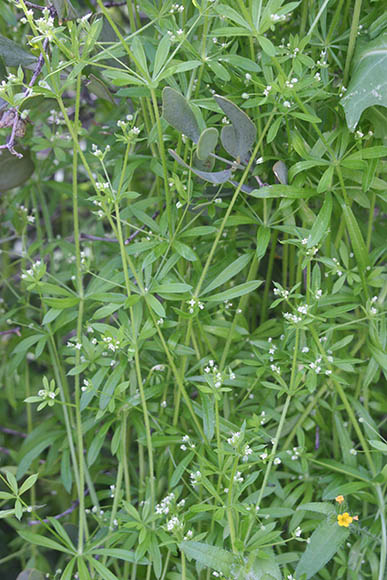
(193, 289)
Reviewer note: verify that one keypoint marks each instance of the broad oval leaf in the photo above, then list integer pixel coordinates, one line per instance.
(238, 138)
(30, 574)
(207, 143)
(281, 172)
(209, 556)
(15, 55)
(368, 85)
(178, 113)
(14, 170)
(324, 543)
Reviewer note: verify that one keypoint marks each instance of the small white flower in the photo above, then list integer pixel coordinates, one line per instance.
(277, 461)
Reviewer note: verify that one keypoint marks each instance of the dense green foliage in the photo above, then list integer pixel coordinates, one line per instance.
(192, 323)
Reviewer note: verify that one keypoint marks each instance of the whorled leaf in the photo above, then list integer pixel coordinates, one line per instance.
(368, 84)
(237, 138)
(207, 143)
(14, 171)
(15, 55)
(178, 113)
(99, 89)
(213, 177)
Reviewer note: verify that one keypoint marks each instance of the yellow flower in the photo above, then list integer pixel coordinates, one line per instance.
(339, 499)
(344, 519)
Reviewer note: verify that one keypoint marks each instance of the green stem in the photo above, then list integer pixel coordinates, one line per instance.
(269, 271)
(352, 40)
(163, 162)
(79, 281)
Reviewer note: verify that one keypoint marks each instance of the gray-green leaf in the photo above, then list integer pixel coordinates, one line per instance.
(178, 113)
(207, 143)
(324, 543)
(15, 55)
(14, 171)
(213, 177)
(238, 138)
(368, 85)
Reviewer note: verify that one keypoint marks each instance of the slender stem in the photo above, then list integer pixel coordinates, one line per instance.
(163, 162)
(79, 281)
(352, 40)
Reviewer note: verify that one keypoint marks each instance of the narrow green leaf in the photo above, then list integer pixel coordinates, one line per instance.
(263, 239)
(229, 272)
(139, 53)
(180, 468)
(156, 305)
(25, 344)
(161, 55)
(39, 540)
(267, 46)
(185, 251)
(208, 415)
(103, 572)
(321, 224)
(235, 292)
(379, 445)
(12, 481)
(28, 483)
(287, 191)
(357, 241)
(121, 554)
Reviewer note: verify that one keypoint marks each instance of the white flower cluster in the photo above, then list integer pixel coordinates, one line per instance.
(235, 439)
(216, 374)
(174, 524)
(195, 478)
(193, 302)
(281, 292)
(295, 453)
(277, 17)
(187, 443)
(246, 452)
(176, 8)
(43, 394)
(164, 506)
(112, 344)
(33, 271)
